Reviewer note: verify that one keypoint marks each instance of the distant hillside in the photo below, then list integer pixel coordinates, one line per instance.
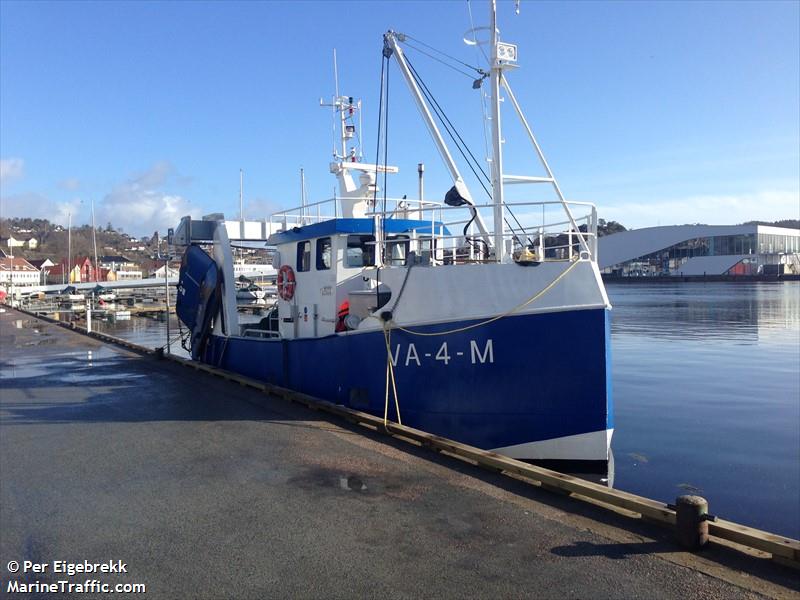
(790, 223)
(53, 240)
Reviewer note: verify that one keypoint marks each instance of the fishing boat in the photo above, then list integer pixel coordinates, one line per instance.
(484, 322)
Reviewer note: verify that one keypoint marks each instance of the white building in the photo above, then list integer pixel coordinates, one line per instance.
(254, 270)
(125, 275)
(159, 272)
(687, 250)
(17, 272)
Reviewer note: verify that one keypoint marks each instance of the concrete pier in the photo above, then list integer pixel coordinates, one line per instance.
(208, 489)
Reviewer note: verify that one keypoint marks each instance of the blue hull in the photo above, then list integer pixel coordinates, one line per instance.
(517, 380)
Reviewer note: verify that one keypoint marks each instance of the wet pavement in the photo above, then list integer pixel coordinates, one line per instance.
(208, 489)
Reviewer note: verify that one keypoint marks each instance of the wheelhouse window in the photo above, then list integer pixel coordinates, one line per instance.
(304, 256)
(323, 254)
(397, 250)
(360, 251)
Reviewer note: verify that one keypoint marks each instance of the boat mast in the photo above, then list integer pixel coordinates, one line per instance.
(69, 248)
(94, 243)
(497, 141)
(392, 46)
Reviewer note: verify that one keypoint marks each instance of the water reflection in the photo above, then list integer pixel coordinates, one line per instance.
(728, 311)
(706, 382)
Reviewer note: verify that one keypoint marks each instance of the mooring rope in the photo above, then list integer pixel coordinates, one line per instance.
(387, 336)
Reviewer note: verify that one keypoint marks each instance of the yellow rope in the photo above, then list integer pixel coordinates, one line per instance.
(387, 334)
(497, 317)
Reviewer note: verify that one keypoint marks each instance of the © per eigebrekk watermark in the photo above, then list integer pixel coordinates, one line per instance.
(68, 577)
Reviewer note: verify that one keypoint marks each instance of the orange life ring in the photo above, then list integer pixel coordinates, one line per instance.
(286, 282)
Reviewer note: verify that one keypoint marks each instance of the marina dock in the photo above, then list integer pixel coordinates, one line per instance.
(206, 488)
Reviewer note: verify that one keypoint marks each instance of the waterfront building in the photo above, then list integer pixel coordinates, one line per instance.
(692, 250)
(119, 268)
(81, 271)
(17, 272)
(124, 275)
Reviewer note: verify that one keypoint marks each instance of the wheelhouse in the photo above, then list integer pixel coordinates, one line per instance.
(327, 261)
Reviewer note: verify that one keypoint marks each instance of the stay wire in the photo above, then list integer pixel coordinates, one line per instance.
(439, 60)
(453, 133)
(385, 163)
(380, 120)
(478, 70)
(450, 128)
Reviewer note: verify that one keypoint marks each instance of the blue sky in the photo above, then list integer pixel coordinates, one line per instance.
(659, 112)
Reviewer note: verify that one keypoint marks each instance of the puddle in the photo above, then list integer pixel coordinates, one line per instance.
(352, 483)
(13, 371)
(44, 341)
(98, 377)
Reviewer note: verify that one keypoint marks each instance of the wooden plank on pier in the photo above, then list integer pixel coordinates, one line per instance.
(776, 545)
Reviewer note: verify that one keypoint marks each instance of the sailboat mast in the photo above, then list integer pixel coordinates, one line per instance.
(303, 194)
(497, 140)
(94, 243)
(69, 248)
(241, 196)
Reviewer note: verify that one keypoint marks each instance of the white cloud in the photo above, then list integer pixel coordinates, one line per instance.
(11, 168)
(765, 205)
(141, 205)
(37, 206)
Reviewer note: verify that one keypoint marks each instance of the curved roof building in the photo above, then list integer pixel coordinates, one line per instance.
(698, 250)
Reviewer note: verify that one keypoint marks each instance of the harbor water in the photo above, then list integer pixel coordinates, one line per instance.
(706, 391)
(707, 396)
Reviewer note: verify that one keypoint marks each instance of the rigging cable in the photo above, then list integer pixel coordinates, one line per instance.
(439, 60)
(385, 169)
(453, 133)
(478, 70)
(450, 128)
(384, 65)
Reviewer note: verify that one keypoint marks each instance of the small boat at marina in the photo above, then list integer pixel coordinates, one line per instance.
(250, 292)
(486, 322)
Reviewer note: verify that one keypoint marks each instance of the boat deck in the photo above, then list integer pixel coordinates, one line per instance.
(209, 489)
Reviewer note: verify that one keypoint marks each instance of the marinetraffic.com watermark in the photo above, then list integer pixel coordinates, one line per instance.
(64, 577)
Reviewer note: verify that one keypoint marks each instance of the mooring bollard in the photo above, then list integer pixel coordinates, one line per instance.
(691, 522)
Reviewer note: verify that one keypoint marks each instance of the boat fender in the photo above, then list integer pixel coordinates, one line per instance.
(286, 282)
(526, 258)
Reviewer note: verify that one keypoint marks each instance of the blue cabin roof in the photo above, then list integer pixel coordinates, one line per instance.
(353, 226)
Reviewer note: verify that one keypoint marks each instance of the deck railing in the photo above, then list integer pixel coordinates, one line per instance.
(534, 231)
